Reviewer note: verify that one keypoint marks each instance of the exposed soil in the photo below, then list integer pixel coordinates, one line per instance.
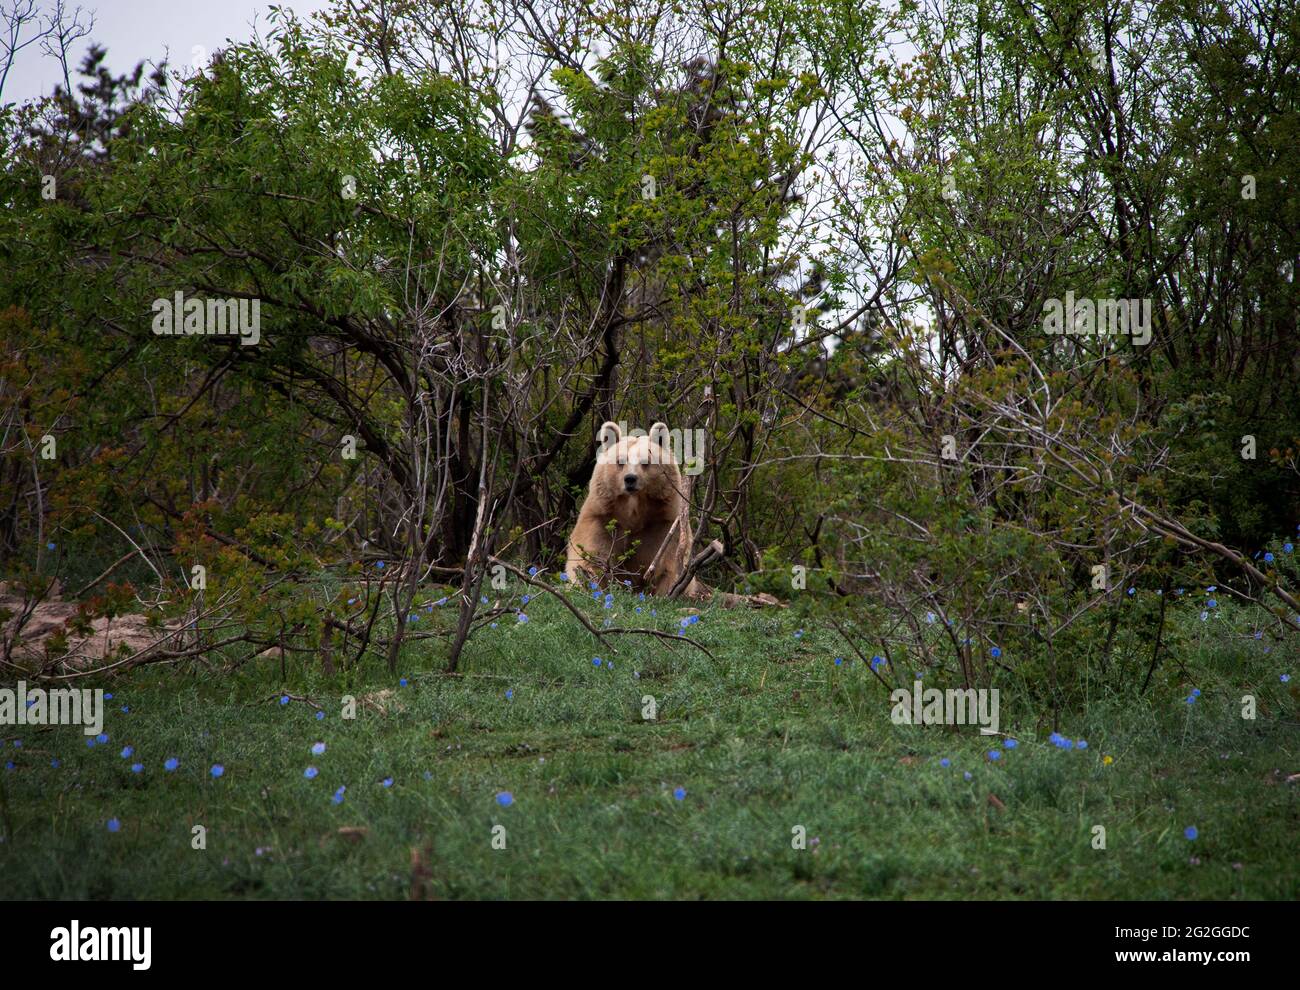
(110, 638)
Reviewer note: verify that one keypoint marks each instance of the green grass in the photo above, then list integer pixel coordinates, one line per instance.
(770, 736)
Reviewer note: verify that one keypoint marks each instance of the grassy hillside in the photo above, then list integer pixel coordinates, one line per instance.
(597, 801)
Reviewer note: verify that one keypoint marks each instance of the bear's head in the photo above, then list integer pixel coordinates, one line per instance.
(637, 466)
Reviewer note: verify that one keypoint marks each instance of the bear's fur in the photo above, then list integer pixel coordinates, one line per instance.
(635, 497)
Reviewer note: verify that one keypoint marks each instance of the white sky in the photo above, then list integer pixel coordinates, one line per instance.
(132, 30)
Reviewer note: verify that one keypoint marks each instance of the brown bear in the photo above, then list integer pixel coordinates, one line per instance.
(634, 516)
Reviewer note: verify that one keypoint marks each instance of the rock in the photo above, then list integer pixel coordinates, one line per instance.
(108, 639)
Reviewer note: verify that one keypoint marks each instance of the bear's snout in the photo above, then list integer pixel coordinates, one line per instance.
(630, 482)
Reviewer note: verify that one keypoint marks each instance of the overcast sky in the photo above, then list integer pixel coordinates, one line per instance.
(132, 30)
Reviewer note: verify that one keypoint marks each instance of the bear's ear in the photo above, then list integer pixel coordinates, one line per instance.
(659, 435)
(609, 435)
